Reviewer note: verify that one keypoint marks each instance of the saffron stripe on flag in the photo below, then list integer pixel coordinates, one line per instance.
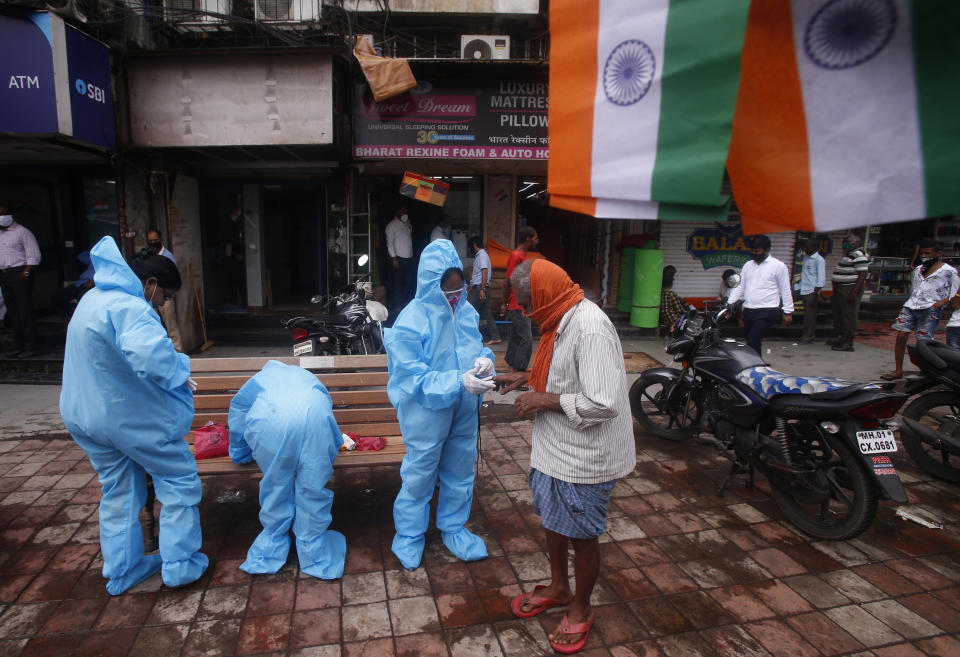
(937, 58)
(573, 71)
(700, 75)
(769, 163)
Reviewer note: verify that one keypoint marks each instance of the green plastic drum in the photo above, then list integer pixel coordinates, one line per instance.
(625, 302)
(647, 277)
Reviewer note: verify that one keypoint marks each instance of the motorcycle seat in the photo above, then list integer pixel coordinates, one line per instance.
(931, 351)
(768, 383)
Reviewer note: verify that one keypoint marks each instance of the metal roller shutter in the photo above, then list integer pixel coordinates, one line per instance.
(692, 280)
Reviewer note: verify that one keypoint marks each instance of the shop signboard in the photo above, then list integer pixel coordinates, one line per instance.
(28, 100)
(54, 80)
(91, 98)
(479, 120)
(721, 245)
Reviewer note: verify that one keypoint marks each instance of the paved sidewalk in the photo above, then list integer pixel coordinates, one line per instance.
(685, 572)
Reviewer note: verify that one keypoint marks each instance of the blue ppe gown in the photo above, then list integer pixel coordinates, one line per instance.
(428, 349)
(283, 418)
(126, 403)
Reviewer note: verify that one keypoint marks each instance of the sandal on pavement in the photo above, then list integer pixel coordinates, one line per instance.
(890, 376)
(539, 605)
(580, 628)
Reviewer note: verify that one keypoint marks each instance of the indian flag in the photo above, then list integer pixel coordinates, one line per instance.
(614, 208)
(641, 101)
(848, 114)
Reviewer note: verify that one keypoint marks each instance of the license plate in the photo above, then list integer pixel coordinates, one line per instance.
(301, 348)
(876, 442)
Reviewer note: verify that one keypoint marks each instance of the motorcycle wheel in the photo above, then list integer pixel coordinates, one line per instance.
(939, 411)
(835, 502)
(677, 418)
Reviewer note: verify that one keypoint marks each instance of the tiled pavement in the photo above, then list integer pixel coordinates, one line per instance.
(685, 572)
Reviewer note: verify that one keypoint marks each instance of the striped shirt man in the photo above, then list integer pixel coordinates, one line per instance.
(851, 265)
(591, 442)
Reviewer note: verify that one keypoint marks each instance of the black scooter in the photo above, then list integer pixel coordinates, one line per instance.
(930, 426)
(822, 443)
(350, 323)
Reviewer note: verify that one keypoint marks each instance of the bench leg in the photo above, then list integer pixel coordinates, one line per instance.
(152, 542)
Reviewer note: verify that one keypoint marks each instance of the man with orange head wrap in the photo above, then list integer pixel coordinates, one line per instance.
(582, 438)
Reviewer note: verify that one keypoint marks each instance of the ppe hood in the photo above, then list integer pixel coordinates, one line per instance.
(111, 271)
(438, 257)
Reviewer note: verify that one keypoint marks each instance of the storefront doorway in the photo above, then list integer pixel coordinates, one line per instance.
(293, 247)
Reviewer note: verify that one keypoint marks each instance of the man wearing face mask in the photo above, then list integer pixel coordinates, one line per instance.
(765, 289)
(19, 255)
(168, 311)
(933, 285)
(848, 279)
(400, 248)
(439, 370)
(127, 401)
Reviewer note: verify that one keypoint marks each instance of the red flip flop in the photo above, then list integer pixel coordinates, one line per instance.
(539, 605)
(580, 628)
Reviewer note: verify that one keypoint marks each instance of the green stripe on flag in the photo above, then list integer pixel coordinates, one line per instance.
(700, 74)
(682, 212)
(937, 59)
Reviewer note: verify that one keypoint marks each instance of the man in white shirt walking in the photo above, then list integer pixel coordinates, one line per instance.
(479, 295)
(19, 254)
(765, 289)
(400, 248)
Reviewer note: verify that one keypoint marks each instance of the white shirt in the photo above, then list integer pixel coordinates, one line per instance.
(18, 247)
(481, 261)
(764, 285)
(400, 239)
(591, 440)
(941, 284)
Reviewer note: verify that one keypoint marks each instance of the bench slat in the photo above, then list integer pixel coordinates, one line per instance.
(339, 397)
(391, 454)
(378, 361)
(233, 382)
(377, 428)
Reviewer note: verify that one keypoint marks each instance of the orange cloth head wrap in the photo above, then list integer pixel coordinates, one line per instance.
(553, 294)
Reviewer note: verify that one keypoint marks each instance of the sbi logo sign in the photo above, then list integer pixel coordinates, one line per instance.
(91, 91)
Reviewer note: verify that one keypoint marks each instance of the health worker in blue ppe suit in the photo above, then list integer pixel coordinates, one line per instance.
(127, 401)
(437, 365)
(283, 418)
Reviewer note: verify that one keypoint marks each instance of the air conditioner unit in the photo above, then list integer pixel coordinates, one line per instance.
(484, 46)
(288, 11)
(196, 11)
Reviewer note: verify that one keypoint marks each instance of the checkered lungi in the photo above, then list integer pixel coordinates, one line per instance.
(572, 510)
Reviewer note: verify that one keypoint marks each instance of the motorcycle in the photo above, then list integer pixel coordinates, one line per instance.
(822, 443)
(351, 322)
(930, 424)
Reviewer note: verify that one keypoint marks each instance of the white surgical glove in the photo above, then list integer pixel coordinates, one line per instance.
(483, 367)
(476, 386)
(192, 384)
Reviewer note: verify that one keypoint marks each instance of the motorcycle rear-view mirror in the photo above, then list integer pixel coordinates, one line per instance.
(732, 281)
(362, 260)
(316, 298)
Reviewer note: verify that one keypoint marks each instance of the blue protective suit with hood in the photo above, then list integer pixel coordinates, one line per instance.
(283, 418)
(126, 403)
(429, 348)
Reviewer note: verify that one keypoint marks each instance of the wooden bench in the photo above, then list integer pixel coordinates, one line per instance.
(357, 385)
